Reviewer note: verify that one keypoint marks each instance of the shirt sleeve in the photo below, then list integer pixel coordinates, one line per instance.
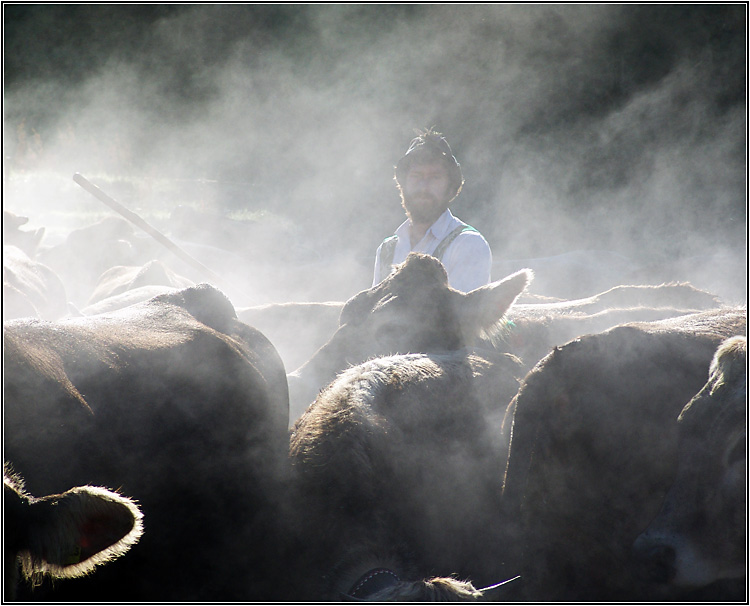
(468, 262)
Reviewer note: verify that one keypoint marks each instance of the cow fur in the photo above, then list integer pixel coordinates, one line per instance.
(594, 448)
(412, 310)
(26, 240)
(30, 289)
(394, 466)
(66, 535)
(119, 279)
(181, 406)
(699, 536)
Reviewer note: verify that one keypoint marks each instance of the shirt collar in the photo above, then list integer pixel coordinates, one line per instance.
(439, 229)
(443, 225)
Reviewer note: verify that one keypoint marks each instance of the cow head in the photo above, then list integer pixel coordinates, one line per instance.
(414, 310)
(699, 535)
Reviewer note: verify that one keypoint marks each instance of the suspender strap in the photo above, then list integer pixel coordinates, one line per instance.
(386, 256)
(443, 246)
(389, 248)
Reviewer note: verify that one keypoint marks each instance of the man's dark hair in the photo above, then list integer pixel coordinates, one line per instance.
(426, 146)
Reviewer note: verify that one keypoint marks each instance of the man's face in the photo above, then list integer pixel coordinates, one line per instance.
(427, 191)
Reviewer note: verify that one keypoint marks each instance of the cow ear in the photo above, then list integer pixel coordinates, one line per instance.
(74, 532)
(483, 307)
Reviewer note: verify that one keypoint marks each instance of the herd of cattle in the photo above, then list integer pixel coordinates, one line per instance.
(413, 443)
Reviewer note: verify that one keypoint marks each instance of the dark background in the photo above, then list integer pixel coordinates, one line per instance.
(606, 127)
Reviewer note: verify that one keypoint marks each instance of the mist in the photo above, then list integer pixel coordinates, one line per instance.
(578, 127)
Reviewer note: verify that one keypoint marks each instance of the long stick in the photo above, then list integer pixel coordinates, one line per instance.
(150, 230)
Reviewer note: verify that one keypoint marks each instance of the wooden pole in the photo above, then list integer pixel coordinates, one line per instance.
(145, 226)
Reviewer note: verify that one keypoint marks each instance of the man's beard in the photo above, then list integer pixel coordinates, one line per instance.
(423, 208)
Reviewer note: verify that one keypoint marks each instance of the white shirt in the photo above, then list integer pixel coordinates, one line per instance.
(468, 259)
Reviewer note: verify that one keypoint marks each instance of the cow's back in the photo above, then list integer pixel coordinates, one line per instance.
(399, 460)
(594, 446)
(176, 403)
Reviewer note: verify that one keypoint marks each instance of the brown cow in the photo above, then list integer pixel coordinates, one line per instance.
(572, 274)
(297, 329)
(65, 535)
(121, 278)
(181, 406)
(674, 295)
(413, 310)
(534, 330)
(700, 534)
(89, 251)
(27, 241)
(397, 468)
(126, 299)
(30, 289)
(594, 448)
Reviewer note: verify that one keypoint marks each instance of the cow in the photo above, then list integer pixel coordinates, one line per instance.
(30, 288)
(532, 331)
(89, 251)
(720, 269)
(412, 310)
(64, 535)
(397, 467)
(674, 295)
(124, 299)
(572, 274)
(700, 534)
(182, 407)
(593, 449)
(121, 278)
(13, 235)
(297, 329)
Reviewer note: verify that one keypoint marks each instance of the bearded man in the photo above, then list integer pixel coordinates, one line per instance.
(429, 178)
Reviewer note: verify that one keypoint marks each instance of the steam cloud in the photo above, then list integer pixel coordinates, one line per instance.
(612, 127)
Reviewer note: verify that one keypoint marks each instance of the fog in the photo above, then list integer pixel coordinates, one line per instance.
(601, 144)
(617, 128)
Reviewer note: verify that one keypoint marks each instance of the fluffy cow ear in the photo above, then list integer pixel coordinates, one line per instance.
(729, 362)
(74, 532)
(485, 306)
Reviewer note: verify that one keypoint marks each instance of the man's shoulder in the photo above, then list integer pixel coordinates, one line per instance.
(469, 240)
(387, 250)
(401, 230)
(451, 225)
(465, 232)
(462, 234)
